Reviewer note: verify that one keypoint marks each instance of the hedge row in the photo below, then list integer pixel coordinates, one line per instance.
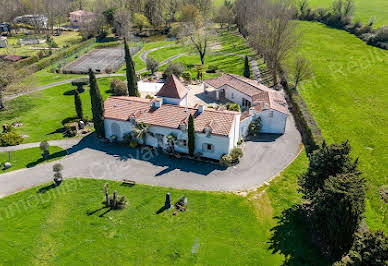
(57, 56)
(308, 127)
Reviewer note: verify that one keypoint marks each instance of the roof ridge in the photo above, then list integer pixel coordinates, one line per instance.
(239, 78)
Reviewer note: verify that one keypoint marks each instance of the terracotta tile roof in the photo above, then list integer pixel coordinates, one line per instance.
(241, 84)
(82, 13)
(173, 88)
(171, 116)
(259, 93)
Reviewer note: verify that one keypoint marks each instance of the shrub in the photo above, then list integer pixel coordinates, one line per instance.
(152, 64)
(176, 68)
(149, 97)
(119, 88)
(133, 144)
(255, 127)
(226, 160)
(233, 107)
(236, 154)
(10, 139)
(117, 202)
(44, 146)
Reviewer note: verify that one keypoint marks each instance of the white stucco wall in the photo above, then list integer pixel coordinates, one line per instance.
(174, 101)
(221, 144)
(234, 95)
(274, 122)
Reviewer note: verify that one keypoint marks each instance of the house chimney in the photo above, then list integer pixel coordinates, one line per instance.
(201, 108)
(252, 111)
(157, 103)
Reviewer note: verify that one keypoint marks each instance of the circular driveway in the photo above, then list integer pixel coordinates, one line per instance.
(263, 159)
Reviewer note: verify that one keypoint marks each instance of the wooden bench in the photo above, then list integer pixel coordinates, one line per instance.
(129, 182)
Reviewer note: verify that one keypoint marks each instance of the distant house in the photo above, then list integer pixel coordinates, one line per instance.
(12, 58)
(255, 99)
(39, 21)
(216, 132)
(79, 17)
(5, 29)
(173, 92)
(29, 41)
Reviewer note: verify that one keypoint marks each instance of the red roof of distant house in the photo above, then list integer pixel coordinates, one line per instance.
(13, 58)
(170, 116)
(173, 88)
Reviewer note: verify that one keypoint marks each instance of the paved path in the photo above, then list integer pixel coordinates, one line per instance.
(63, 143)
(144, 55)
(262, 160)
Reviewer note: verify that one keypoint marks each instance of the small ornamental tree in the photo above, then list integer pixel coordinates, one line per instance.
(44, 146)
(58, 178)
(97, 105)
(78, 105)
(191, 135)
(176, 68)
(130, 71)
(152, 64)
(254, 127)
(118, 87)
(325, 162)
(247, 70)
(337, 210)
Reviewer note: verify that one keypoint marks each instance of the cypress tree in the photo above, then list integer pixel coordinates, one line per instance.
(131, 73)
(338, 210)
(78, 105)
(327, 161)
(97, 105)
(247, 71)
(191, 135)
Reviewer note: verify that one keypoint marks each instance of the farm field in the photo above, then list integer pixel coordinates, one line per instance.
(29, 158)
(364, 10)
(348, 98)
(217, 228)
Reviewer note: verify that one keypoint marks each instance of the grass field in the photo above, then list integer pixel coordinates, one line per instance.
(42, 112)
(29, 158)
(348, 99)
(58, 228)
(364, 10)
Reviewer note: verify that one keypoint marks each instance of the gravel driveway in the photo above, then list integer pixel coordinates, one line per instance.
(263, 159)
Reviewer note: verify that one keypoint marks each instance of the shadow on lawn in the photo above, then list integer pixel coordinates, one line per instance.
(43, 190)
(50, 157)
(89, 213)
(153, 156)
(291, 238)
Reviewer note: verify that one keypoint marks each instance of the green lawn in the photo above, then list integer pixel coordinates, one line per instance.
(42, 112)
(217, 229)
(364, 9)
(29, 158)
(348, 99)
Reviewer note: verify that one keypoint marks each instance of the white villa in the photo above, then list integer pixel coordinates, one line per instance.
(216, 132)
(255, 99)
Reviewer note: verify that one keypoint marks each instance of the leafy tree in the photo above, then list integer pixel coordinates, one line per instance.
(118, 87)
(176, 68)
(130, 71)
(247, 70)
(302, 70)
(152, 64)
(140, 131)
(78, 105)
(233, 107)
(369, 249)
(140, 21)
(255, 127)
(110, 15)
(325, 162)
(191, 135)
(97, 105)
(338, 209)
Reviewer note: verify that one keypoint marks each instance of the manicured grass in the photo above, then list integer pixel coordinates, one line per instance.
(364, 9)
(348, 98)
(29, 158)
(63, 226)
(57, 229)
(168, 52)
(42, 112)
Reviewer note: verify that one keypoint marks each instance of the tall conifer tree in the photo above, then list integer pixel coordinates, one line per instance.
(191, 135)
(97, 105)
(131, 73)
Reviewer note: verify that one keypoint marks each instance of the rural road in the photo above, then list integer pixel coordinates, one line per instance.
(263, 159)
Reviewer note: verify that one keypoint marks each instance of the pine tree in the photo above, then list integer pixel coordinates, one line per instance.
(338, 209)
(191, 135)
(78, 105)
(131, 74)
(247, 71)
(97, 105)
(325, 162)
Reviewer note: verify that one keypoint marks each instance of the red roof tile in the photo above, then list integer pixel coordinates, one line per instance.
(173, 88)
(171, 116)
